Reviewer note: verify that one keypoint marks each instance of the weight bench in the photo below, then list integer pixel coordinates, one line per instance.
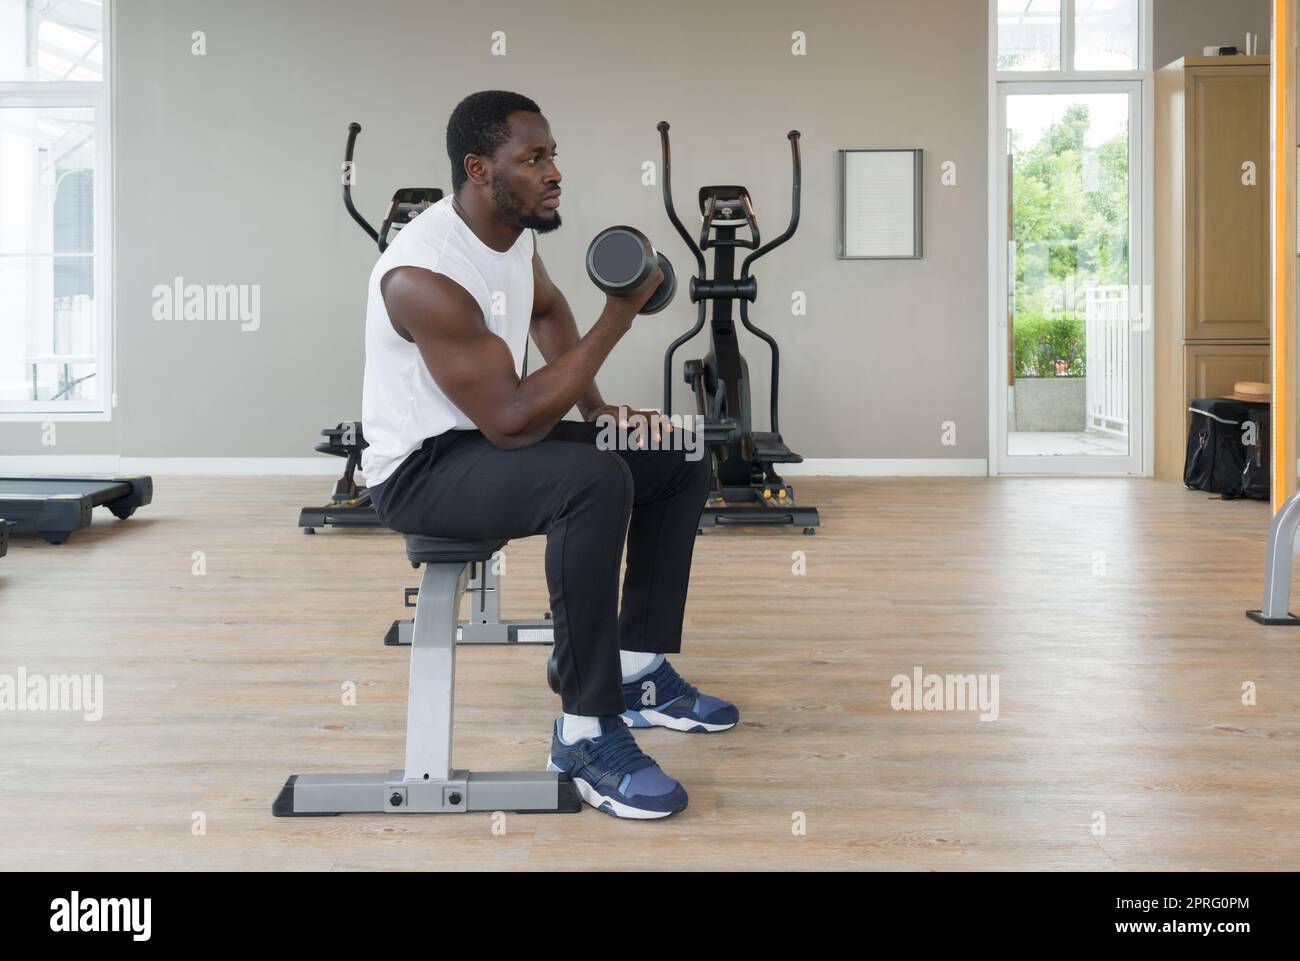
(484, 625)
(429, 784)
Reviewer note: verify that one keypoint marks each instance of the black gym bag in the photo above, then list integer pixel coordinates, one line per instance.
(1219, 459)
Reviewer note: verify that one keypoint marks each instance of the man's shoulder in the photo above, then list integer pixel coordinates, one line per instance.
(431, 227)
(417, 281)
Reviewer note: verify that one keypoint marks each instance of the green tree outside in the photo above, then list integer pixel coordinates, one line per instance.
(1070, 223)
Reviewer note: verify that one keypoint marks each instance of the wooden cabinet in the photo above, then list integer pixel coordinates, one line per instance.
(1212, 369)
(1226, 234)
(1211, 290)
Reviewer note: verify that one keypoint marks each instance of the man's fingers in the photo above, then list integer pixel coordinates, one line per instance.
(644, 423)
(663, 423)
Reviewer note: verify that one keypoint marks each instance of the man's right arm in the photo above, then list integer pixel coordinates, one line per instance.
(474, 367)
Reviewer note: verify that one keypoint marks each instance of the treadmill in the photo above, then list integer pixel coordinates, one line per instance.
(54, 507)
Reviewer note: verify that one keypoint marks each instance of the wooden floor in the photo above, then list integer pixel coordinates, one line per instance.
(1120, 690)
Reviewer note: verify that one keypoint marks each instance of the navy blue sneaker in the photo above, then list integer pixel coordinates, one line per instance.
(613, 775)
(662, 698)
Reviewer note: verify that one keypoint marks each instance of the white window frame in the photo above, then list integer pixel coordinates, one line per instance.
(1142, 256)
(1067, 71)
(98, 95)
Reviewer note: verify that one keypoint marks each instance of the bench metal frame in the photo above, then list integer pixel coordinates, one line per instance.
(429, 783)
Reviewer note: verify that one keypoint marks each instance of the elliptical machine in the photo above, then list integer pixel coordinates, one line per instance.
(747, 490)
(350, 504)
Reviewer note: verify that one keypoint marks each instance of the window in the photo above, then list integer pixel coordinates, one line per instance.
(1106, 35)
(1071, 141)
(1069, 36)
(1029, 34)
(55, 324)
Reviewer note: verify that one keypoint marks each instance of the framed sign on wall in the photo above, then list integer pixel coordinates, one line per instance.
(880, 204)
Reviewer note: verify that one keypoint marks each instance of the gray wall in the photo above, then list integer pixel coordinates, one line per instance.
(227, 172)
(1183, 28)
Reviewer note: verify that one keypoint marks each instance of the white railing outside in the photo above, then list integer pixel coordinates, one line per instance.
(1106, 325)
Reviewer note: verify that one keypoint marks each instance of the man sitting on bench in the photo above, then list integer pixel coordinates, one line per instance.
(462, 447)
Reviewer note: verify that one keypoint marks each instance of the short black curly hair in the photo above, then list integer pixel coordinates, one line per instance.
(478, 126)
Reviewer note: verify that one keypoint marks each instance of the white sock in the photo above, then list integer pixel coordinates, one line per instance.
(578, 726)
(637, 664)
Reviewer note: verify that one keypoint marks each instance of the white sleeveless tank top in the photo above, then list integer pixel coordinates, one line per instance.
(401, 405)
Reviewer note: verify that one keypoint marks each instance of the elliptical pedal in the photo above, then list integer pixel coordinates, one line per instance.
(770, 449)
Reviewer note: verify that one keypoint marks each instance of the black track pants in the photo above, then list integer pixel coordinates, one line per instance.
(586, 501)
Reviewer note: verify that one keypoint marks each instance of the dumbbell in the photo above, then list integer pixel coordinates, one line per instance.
(553, 672)
(621, 260)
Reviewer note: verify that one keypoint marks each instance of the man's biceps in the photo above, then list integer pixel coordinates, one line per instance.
(467, 368)
(483, 399)
(543, 294)
(449, 370)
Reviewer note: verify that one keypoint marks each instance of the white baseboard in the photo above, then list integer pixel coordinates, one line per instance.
(59, 465)
(887, 467)
(50, 465)
(235, 466)
(71, 464)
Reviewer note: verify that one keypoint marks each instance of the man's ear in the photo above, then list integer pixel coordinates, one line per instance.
(475, 168)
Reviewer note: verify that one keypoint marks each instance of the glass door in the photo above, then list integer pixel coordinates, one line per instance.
(1070, 336)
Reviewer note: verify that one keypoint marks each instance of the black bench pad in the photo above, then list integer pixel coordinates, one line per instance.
(443, 550)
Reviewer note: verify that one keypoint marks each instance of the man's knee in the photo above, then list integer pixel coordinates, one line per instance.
(607, 485)
(697, 465)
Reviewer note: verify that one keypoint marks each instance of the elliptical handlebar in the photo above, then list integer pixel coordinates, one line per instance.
(793, 137)
(668, 198)
(354, 128)
(797, 181)
(753, 328)
(699, 260)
